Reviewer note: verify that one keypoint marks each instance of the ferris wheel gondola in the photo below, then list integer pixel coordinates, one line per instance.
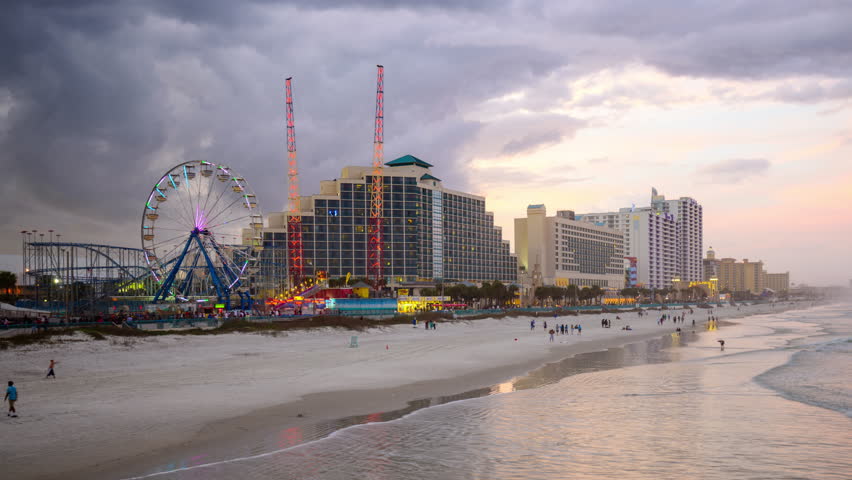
(201, 234)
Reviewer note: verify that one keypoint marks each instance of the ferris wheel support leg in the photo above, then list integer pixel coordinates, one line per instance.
(229, 273)
(188, 280)
(163, 292)
(221, 291)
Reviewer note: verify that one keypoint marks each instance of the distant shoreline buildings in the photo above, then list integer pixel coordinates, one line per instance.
(662, 241)
(745, 276)
(437, 235)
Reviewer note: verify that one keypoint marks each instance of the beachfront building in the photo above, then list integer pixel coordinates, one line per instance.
(742, 276)
(711, 265)
(778, 282)
(431, 233)
(271, 277)
(565, 251)
(709, 287)
(689, 223)
(663, 240)
(649, 238)
(747, 276)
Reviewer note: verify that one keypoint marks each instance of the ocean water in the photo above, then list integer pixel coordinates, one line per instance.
(775, 404)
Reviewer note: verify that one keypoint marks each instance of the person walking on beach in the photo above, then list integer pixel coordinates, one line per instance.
(12, 397)
(722, 344)
(579, 329)
(532, 325)
(50, 371)
(551, 332)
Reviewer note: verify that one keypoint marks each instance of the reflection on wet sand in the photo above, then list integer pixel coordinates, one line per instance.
(652, 351)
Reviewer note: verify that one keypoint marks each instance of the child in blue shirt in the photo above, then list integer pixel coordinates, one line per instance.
(12, 397)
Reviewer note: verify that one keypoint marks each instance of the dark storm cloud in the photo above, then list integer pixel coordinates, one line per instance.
(725, 39)
(73, 118)
(734, 170)
(98, 98)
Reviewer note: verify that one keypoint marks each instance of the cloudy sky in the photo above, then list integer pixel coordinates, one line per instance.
(745, 106)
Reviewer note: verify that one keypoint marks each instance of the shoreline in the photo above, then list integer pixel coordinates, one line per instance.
(326, 406)
(218, 435)
(320, 407)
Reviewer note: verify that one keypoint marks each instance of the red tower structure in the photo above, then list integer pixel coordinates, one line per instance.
(375, 260)
(294, 219)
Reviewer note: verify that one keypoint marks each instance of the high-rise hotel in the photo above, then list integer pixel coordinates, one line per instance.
(662, 241)
(688, 217)
(431, 233)
(564, 251)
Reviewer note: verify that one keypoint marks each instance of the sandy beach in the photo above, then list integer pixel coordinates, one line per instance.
(119, 405)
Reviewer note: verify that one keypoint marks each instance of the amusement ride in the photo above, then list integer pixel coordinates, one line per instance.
(202, 234)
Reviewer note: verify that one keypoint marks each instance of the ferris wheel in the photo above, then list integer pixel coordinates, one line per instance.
(202, 233)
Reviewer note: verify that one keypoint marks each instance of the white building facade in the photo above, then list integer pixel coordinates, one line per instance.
(688, 215)
(665, 239)
(565, 251)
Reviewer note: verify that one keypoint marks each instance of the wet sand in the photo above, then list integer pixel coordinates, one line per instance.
(466, 356)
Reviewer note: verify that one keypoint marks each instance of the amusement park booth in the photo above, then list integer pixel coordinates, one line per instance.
(421, 304)
(362, 306)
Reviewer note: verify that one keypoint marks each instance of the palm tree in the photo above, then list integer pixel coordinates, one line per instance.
(540, 294)
(486, 293)
(585, 293)
(498, 292)
(512, 292)
(596, 293)
(573, 292)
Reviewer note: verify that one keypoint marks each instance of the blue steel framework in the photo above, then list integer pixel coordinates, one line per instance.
(82, 274)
